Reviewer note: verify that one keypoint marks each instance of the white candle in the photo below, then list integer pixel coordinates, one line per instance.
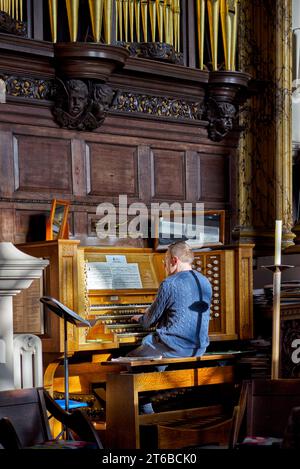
(278, 234)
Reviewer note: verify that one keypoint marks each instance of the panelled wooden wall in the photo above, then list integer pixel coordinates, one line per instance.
(148, 160)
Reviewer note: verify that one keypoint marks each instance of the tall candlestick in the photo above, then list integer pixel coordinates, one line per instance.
(278, 234)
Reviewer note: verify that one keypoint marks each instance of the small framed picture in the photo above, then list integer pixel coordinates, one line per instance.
(57, 226)
(198, 229)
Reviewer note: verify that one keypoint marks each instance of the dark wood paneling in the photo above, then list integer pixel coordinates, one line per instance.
(168, 174)
(7, 225)
(42, 164)
(31, 225)
(192, 176)
(112, 169)
(6, 164)
(214, 177)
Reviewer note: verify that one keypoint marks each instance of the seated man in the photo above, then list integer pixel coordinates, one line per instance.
(180, 311)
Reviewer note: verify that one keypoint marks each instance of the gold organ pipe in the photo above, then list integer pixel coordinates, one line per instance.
(131, 19)
(137, 4)
(12, 9)
(213, 7)
(229, 31)
(16, 8)
(53, 18)
(1, 5)
(9, 7)
(200, 27)
(172, 22)
(168, 19)
(160, 16)
(21, 10)
(125, 13)
(152, 11)
(107, 20)
(119, 12)
(96, 12)
(226, 32)
(177, 23)
(234, 37)
(144, 8)
(72, 12)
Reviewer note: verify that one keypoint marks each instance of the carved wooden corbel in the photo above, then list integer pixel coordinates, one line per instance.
(81, 105)
(226, 91)
(220, 117)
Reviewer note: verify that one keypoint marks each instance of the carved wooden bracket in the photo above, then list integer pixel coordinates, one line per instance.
(226, 91)
(81, 105)
(82, 97)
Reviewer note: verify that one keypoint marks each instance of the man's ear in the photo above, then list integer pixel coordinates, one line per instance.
(174, 260)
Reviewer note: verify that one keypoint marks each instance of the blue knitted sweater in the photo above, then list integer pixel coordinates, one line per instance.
(180, 311)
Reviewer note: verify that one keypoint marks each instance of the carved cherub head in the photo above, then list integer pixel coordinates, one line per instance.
(78, 97)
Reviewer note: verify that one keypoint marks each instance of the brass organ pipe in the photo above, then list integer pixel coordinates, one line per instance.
(1, 5)
(96, 12)
(131, 19)
(137, 4)
(201, 26)
(107, 20)
(72, 12)
(229, 31)
(125, 13)
(234, 37)
(172, 22)
(152, 11)
(21, 10)
(177, 23)
(120, 18)
(53, 18)
(9, 7)
(144, 8)
(213, 7)
(166, 21)
(160, 16)
(16, 8)
(13, 8)
(226, 32)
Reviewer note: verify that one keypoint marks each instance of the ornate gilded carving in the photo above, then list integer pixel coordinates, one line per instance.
(220, 117)
(153, 51)
(9, 25)
(265, 156)
(27, 87)
(81, 106)
(158, 106)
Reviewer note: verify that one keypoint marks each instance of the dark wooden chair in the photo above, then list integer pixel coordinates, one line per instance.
(269, 405)
(24, 420)
(266, 411)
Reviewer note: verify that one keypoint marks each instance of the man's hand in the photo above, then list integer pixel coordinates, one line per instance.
(136, 317)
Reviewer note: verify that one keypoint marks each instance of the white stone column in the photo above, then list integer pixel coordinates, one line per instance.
(17, 272)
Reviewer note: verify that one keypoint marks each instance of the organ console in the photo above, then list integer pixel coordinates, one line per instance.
(107, 286)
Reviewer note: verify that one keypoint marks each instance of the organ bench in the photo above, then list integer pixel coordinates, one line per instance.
(136, 376)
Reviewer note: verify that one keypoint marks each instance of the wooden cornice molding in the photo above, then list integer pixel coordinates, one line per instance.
(26, 57)
(112, 81)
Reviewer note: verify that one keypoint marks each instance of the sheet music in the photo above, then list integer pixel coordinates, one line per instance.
(113, 276)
